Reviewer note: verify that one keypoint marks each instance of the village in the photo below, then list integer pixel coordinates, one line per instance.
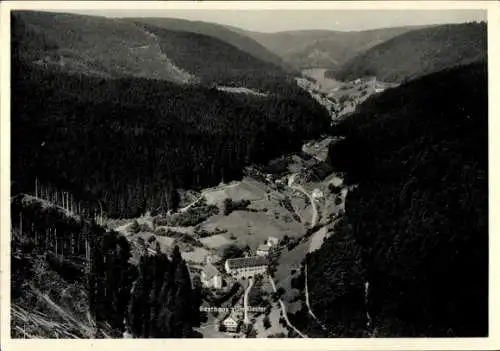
(234, 314)
(245, 241)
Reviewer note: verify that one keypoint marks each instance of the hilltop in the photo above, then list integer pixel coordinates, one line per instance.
(418, 52)
(323, 48)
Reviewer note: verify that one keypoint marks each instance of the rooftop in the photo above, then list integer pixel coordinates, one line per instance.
(210, 271)
(263, 247)
(244, 262)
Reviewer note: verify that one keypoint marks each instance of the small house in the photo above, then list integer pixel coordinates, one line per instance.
(317, 193)
(272, 241)
(263, 250)
(231, 324)
(211, 277)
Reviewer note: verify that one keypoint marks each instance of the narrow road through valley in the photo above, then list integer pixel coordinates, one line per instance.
(313, 245)
(245, 300)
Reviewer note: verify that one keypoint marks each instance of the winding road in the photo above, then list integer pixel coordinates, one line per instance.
(313, 246)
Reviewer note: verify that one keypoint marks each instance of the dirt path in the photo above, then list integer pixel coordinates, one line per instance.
(315, 244)
(291, 184)
(185, 208)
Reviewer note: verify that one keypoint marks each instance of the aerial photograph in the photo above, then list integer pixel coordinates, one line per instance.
(253, 173)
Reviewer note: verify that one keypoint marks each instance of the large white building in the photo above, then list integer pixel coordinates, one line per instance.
(246, 267)
(211, 277)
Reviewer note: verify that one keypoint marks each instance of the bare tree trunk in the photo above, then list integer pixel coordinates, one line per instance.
(36, 187)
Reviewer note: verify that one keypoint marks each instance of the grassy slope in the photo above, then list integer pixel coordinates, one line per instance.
(322, 48)
(418, 53)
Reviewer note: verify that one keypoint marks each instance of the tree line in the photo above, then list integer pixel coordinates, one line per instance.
(416, 226)
(152, 300)
(132, 143)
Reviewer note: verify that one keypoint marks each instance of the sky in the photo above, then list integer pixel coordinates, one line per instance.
(283, 20)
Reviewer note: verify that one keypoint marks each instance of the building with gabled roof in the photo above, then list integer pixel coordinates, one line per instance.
(211, 277)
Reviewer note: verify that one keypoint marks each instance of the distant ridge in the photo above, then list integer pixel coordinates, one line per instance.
(419, 52)
(178, 51)
(324, 48)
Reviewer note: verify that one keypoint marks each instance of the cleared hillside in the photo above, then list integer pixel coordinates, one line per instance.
(418, 53)
(223, 33)
(215, 61)
(416, 227)
(72, 279)
(323, 48)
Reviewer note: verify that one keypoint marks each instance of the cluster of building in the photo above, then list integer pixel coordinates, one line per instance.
(241, 267)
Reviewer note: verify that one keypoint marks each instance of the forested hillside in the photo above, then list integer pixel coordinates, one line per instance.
(323, 48)
(91, 45)
(118, 48)
(132, 142)
(71, 271)
(418, 52)
(231, 36)
(215, 61)
(416, 227)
